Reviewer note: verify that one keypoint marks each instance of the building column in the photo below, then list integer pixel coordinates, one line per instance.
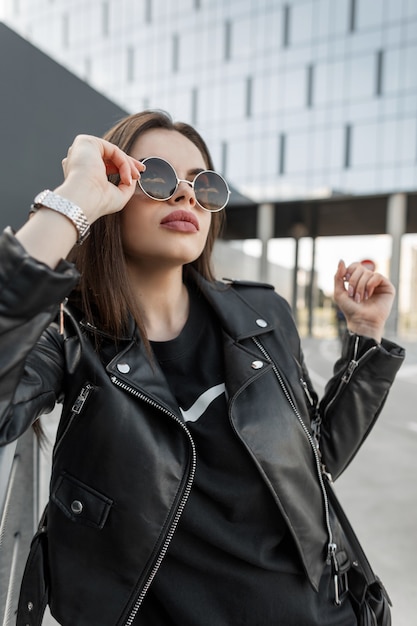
(298, 230)
(396, 221)
(265, 232)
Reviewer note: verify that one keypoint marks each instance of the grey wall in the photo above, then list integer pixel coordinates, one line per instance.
(42, 107)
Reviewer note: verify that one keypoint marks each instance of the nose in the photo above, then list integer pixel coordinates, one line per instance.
(185, 191)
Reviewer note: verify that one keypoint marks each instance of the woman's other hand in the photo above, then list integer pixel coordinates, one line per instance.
(365, 297)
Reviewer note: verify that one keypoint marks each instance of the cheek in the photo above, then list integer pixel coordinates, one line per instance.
(205, 223)
(133, 217)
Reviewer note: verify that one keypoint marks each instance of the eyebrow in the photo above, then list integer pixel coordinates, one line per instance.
(192, 172)
(196, 170)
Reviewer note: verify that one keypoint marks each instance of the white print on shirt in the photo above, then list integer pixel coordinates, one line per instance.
(202, 403)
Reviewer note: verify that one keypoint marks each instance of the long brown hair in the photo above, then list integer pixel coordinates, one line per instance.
(106, 296)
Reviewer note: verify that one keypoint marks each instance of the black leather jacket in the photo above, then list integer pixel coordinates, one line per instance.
(124, 459)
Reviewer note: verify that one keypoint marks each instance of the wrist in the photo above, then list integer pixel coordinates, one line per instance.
(366, 330)
(60, 204)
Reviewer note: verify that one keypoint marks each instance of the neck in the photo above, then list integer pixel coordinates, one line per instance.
(164, 302)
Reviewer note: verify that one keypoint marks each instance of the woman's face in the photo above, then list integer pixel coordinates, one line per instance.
(173, 232)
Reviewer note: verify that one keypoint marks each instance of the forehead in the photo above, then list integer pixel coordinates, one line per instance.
(170, 145)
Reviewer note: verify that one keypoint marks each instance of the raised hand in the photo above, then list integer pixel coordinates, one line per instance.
(365, 298)
(86, 167)
(49, 235)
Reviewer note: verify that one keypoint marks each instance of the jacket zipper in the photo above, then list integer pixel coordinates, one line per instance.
(331, 546)
(76, 409)
(181, 505)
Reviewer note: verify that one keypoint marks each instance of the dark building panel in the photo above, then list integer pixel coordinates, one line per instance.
(42, 107)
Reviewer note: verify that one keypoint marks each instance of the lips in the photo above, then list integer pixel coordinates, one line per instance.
(180, 220)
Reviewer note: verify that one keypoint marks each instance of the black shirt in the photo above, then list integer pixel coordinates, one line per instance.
(232, 560)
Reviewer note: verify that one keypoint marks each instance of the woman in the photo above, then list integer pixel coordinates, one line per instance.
(187, 487)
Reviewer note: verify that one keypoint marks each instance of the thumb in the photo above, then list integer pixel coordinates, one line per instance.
(124, 191)
(339, 278)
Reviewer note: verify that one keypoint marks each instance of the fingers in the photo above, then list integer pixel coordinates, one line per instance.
(360, 282)
(118, 162)
(87, 165)
(89, 153)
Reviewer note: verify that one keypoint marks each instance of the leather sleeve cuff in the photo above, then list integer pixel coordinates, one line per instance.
(28, 286)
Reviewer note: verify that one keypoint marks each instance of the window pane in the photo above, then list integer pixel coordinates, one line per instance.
(369, 13)
(294, 88)
(361, 76)
(301, 25)
(364, 144)
(409, 77)
(330, 82)
(298, 154)
(392, 67)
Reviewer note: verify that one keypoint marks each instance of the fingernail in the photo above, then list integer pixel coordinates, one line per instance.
(350, 291)
(357, 298)
(366, 295)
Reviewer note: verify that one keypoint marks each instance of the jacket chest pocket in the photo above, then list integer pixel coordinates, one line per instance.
(80, 503)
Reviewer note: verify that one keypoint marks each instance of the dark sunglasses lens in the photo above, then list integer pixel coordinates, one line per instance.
(158, 180)
(211, 191)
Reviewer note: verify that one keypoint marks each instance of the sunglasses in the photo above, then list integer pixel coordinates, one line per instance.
(160, 181)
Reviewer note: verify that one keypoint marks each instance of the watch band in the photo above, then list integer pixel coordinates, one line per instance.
(50, 200)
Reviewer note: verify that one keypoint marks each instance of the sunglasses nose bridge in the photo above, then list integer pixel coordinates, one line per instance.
(183, 180)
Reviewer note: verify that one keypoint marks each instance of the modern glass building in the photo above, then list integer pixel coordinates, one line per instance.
(295, 97)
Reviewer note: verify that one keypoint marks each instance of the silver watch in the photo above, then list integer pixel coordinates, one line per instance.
(51, 200)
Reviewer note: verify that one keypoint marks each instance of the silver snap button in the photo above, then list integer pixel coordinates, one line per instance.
(30, 606)
(262, 323)
(256, 365)
(76, 507)
(124, 368)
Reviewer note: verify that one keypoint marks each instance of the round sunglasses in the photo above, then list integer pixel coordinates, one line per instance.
(160, 181)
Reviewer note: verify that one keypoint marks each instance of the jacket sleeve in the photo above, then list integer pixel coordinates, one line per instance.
(354, 397)
(30, 368)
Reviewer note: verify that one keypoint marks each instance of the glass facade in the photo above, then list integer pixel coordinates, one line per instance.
(292, 96)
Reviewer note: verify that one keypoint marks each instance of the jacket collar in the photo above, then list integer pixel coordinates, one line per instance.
(238, 318)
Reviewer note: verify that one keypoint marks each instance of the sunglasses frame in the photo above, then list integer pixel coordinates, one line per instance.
(189, 182)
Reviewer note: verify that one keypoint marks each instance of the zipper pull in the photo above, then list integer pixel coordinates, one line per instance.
(331, 554)
(307, 391)
(331, 559)
(80, 401)
(61, 316)
(327, 475)
(349, 371)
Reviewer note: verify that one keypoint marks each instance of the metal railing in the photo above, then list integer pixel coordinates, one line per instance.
(18, 510)
(24, 485)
